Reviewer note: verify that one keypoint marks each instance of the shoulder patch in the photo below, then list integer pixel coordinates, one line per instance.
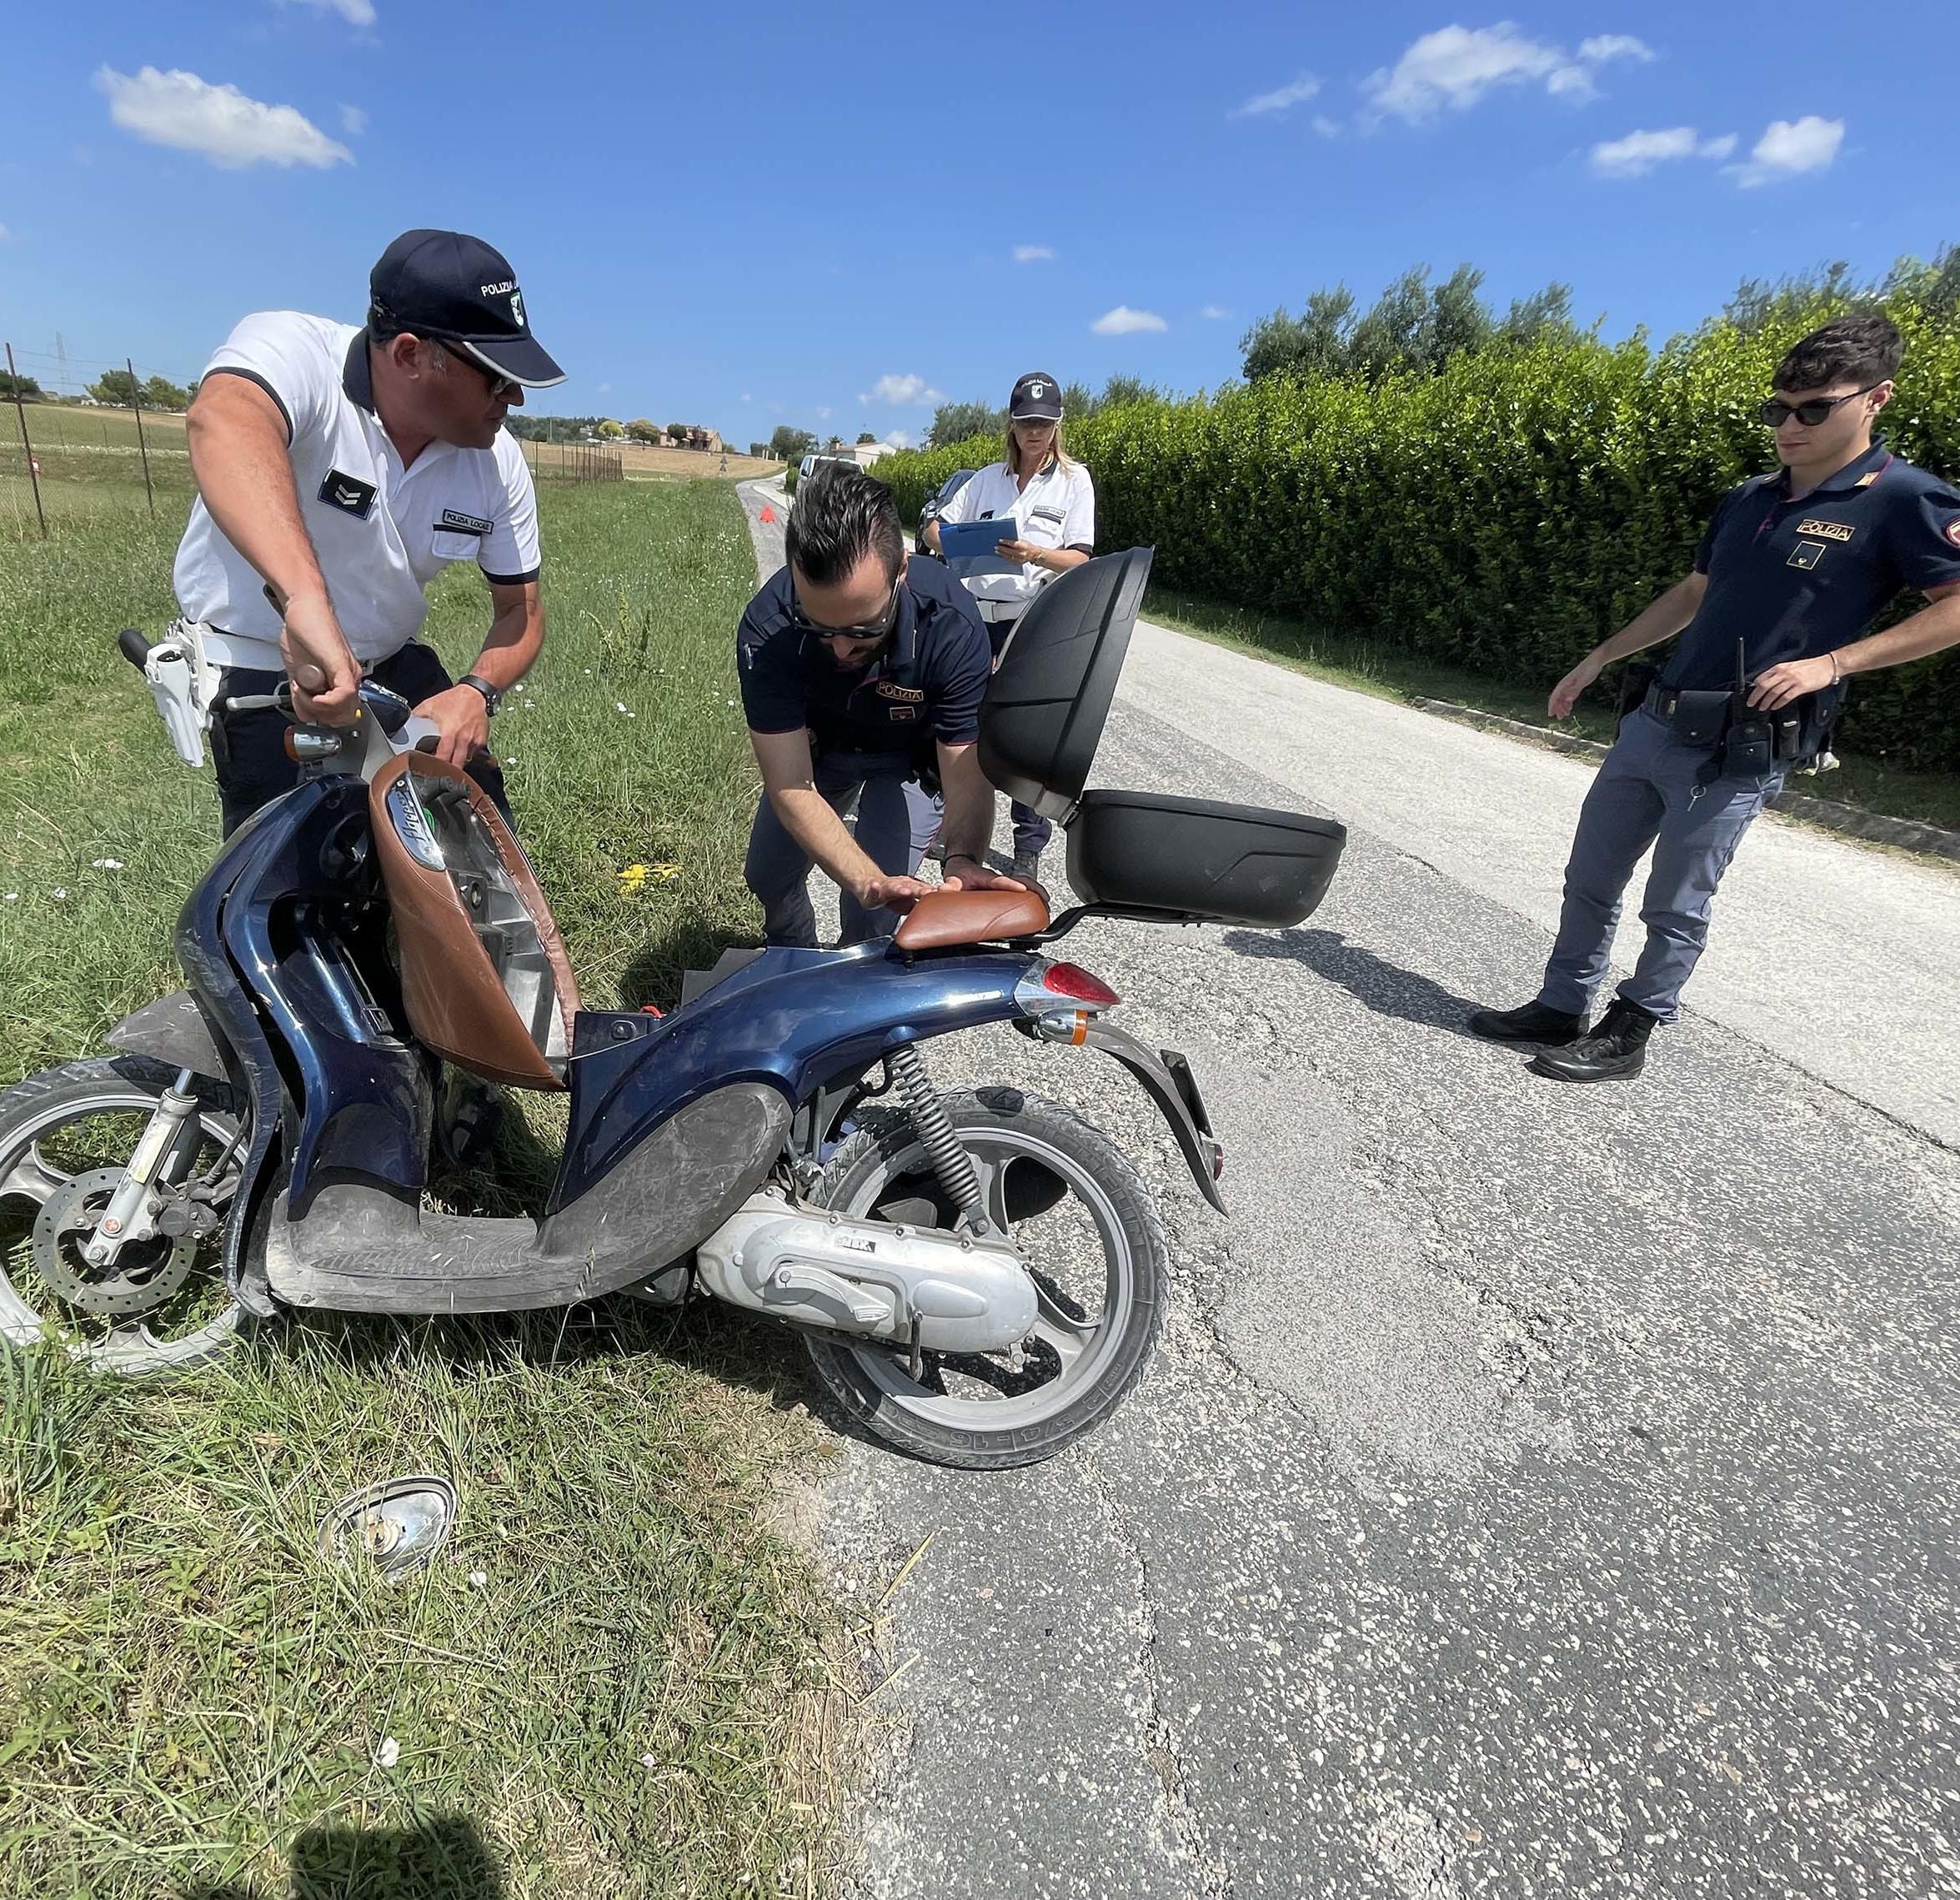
(1953, 530)
(348, 494)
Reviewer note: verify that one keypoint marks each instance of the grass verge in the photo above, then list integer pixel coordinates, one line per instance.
(618, 1681)
(1389, 673)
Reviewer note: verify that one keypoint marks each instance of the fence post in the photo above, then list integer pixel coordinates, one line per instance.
(136, 403)
(20, 408)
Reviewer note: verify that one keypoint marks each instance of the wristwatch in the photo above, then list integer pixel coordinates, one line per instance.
(492, 697)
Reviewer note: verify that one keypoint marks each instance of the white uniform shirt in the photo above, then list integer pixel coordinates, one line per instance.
(381, 532)
(1056, 509)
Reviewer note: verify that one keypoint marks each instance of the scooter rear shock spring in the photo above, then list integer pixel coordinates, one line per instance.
(950, 1160)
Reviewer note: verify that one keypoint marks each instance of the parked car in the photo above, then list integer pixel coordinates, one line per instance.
(809, 465)
(935, 506)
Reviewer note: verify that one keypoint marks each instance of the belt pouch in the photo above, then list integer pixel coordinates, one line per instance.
(1700, 719)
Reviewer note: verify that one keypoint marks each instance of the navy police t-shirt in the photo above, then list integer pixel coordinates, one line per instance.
(926, 686)
(1795, 579)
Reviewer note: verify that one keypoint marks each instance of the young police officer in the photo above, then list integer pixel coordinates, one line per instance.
(860, 671)
(340, 470)
(1793, 567)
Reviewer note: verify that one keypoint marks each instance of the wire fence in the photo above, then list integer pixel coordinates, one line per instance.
(85, 439)
(574, 462)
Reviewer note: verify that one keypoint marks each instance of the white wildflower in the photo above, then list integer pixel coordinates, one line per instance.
(105, 864)
(388, 1753)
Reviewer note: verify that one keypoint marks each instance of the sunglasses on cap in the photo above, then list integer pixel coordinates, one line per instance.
(874, 629)
(1775, 413)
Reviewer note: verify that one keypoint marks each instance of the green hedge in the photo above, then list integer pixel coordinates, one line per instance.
(1504, 514)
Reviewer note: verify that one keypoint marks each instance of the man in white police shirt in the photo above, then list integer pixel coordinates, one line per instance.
(340, 470)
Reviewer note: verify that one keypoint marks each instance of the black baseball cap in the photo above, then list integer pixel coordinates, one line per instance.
(1037, 398)
(458, 289)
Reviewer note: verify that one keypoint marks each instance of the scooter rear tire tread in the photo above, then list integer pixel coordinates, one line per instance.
(886, 1131)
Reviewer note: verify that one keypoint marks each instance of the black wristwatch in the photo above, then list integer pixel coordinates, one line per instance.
(492, 697)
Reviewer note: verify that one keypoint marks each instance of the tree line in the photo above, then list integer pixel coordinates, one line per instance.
(117, 389)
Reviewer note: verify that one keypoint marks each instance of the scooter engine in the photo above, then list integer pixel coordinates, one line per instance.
(944, 1292)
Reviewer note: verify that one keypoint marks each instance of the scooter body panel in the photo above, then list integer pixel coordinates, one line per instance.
(795, 1019)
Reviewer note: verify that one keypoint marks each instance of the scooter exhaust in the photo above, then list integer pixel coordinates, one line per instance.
(922, 1286)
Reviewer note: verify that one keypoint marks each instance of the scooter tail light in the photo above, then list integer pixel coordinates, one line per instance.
(1072, 980)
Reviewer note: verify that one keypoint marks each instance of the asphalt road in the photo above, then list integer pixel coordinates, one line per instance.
(1539, 1489)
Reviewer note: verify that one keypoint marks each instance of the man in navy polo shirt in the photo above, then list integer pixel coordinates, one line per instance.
(1791, 571)
(860, 671)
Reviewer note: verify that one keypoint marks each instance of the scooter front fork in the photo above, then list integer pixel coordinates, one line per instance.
(162, 1145)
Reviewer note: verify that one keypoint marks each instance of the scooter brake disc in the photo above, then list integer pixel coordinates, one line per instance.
(145, 1274)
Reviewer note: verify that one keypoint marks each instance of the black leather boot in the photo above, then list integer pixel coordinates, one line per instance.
(1615, 1052)
(1550, 1029)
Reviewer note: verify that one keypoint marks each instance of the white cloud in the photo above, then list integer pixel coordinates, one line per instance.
(1213, 311)
(355, 12)
(1456, 66)
(1602, 47)
(1123, 321)
(1790, 147)
(353, 121)
(902, 392)
(2, 234)
(746, 397)
(1292, 93)
(1638, 152)
(605, 389)
(180, 110)
(899, 437)
(1327, 127)
(1033, 253)
(824, 413)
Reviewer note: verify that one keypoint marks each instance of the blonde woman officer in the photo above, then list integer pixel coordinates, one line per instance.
(1053, 503)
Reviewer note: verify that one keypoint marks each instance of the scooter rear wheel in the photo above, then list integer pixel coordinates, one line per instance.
(1086, 1228)
(66, 1136)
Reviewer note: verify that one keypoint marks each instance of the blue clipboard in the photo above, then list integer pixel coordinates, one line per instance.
(973, 540)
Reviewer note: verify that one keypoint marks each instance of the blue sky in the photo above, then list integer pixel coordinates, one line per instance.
(743, 214)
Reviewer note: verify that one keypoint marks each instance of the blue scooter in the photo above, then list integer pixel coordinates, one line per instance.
(979, 1277)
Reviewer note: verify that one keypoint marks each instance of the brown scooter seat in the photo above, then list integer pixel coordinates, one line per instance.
(484, 978)
(949, 918)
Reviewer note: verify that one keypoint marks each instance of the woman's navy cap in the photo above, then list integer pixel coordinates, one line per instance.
(1037, 398)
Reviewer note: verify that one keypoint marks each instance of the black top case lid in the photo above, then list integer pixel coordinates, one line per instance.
(1046, 705)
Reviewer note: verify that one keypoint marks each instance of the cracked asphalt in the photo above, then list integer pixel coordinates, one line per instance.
(1537, 1490)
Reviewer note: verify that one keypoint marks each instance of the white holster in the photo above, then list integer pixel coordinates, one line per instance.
(184, 681)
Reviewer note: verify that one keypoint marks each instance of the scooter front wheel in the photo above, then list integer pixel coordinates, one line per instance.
(65, 1137)
(1085, 1229)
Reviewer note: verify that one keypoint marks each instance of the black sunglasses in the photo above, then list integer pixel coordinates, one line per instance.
(500, 385)
(1774, 413)
(865, 630)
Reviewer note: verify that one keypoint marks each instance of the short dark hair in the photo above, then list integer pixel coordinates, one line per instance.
(1863, 349)
(839, 515)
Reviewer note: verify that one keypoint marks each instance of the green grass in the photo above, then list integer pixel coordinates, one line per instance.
(191, 1701)
(1390, 673)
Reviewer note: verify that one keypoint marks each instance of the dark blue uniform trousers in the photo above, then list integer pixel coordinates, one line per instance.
(896, 817)
(1646, 795)
(249, 749)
